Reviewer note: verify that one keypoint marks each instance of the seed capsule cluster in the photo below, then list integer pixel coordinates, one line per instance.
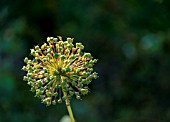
(59, 70)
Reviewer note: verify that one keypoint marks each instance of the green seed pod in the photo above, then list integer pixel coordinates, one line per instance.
(38, 92)
(51, 38)
(63, 82)
(33, 89)
(68, 69)
(81, 47)
(42, 47)
(65, 89)
(58, 86)
(55, 40)
(80, 79)
(48, 79)
(26, 60)
(62, 57)
(54, 102)
(32, 51)
(60, 49)
(77, 71)
(65, 43)
(71, 93)
(84, 74)
(81, 53)
(72, 56)
(29, 74)
(64, 98)
(84, 91)
(63, 70)
(73, 83)
(40, 83)
(29, 83)
(56, 55)
(95, 61)
(48, 39)
(57, 77)
(44, 59)
(76, 93)
(34, 60)
(78, 97)
(86, 81)
(60, 101)
(25, 78)
(47, 101)
(55, 94)
(48, 94)
(95, 75)
(56, 72)
(90, 69)
(49, 50)
(70, 46)
(42, 89)
(24, 68)
(78, 45)
(42, 96)
(70, 40)
(87, 55)
(49, 85)
(81, 85)
(33, 80)
(37, 47)
(45, 70)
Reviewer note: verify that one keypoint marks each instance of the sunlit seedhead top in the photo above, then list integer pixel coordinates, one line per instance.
(59, 70)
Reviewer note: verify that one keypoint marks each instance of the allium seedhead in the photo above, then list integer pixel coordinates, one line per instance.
(59, 70)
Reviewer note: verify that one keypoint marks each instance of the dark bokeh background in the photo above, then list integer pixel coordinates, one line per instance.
(131, 39)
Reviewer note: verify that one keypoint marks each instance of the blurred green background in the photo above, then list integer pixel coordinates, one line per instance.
(131, 39)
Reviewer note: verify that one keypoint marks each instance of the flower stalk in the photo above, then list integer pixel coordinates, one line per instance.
(67, 101)
(70, 113)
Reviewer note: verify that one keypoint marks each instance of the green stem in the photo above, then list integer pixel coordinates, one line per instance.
(68, 106)
(70, 113)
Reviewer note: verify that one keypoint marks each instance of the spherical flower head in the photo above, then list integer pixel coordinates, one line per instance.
(59, 70)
